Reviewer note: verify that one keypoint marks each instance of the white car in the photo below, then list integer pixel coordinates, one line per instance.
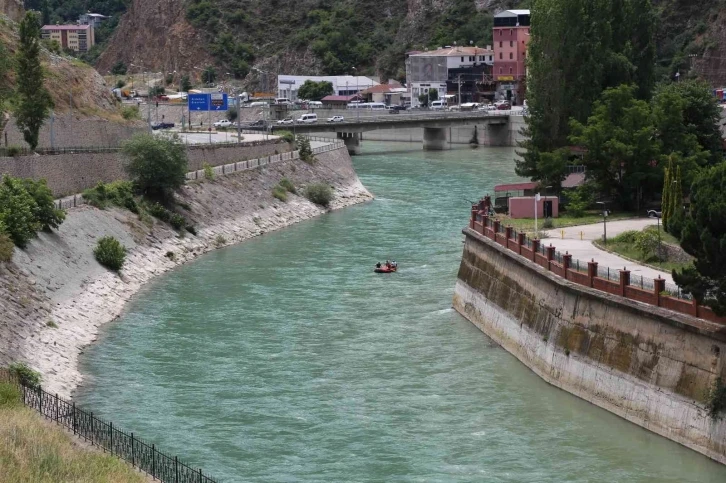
(486, 107)
(223, 123)
(285, 121)
(336, 119)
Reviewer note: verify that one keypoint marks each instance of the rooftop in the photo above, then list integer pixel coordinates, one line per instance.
(454, 51)
(511, 13)
(340, 98)
(66, 27)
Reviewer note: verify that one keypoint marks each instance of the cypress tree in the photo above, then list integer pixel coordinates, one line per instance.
(664, 202)
(34, 100)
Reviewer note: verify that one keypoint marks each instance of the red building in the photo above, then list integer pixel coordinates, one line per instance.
(511, 36)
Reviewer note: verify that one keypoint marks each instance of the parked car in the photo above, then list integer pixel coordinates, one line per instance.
(397, 108)
(162, 125)
(336, 119)
(287, 120)
(503, 105)
(258, 123)
(486, 107)
(654, 213)
(223, 123)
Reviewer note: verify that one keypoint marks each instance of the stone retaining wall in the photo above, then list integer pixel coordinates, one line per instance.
(72, 173)
(647, 364)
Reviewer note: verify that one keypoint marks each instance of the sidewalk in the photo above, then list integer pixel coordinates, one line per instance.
(585, 251)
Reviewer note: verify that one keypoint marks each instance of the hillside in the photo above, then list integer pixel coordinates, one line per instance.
(334, 36)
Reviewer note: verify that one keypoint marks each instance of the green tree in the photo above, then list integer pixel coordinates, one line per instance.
(4, 69)
(209, 75)
(704, 236)
(314, 91)
(17, 211)
(687, 119)
(433, 95)
(423, 99)
(620, 146)
(579, 48)
(156, 164)
(45, 212)
(186, 83)
(33, 99)
(45, 11)
(119, 68)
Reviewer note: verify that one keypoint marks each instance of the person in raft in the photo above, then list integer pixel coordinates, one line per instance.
(378, 265)
(394, 264)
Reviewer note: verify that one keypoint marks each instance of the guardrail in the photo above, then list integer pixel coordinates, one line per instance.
(623, 283)
(105, 435)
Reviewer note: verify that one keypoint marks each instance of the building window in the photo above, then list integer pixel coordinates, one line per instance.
(510, 56)
(500, 56)
(472, 59)
(500, 70)
(511, 43)
(500, 44)
(511, 31)
(510, 70)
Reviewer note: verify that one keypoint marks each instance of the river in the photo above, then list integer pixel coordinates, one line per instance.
(286, 359)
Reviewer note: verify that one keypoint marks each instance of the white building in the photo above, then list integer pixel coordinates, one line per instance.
(343, 85)
(93, 19)
(431, 69)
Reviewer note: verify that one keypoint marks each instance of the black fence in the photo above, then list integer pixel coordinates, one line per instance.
(104, 434)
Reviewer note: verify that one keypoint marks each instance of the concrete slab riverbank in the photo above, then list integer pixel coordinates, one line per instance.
(54, 295)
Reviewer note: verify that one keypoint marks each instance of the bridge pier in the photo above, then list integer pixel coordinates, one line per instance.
(434, 138)
(351, 140)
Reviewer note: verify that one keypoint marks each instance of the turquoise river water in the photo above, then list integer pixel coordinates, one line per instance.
(286, 359)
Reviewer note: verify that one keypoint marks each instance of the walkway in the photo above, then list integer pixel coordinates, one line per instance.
(585, 250)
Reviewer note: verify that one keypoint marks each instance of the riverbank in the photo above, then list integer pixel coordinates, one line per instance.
(56, 296)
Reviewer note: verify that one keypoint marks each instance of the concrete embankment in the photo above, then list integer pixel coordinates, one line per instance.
(55, 296)
(649, 365)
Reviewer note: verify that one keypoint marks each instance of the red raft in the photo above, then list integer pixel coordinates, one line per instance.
(384, 269)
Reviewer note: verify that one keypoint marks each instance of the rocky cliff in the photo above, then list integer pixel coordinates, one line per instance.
(13, 9)
(154, 35)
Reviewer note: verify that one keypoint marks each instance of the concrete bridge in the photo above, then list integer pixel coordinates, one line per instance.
(434, 125)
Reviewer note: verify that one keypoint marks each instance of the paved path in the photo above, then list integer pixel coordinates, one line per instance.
(220, 137)
(584, 250)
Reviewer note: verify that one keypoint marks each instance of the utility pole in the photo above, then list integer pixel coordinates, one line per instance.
(459, 82)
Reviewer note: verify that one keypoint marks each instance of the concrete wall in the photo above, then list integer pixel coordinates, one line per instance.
(646, 364)
(69, 174)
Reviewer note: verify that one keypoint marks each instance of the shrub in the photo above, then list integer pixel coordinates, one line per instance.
(47, 215)
(647, 243)
(232, 114)
(303, 146)
(110, 253)
(25, 374)
(13, 151)
(119, 193)
(158, 211)
(319, 193)
(626, 237)
(579, 200)
(208, 171)
(286, 136)
(220, 240)
(156, 164)
(280, 193)
(288, 186)
(191, 230)
(171, 256)
(130, 113)
(120, 83)
(548, 223)
(177, 221)
(18, 211)
(6, 246)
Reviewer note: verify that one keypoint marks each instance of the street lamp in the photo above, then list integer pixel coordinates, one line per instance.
(604, 221)
(357, 93)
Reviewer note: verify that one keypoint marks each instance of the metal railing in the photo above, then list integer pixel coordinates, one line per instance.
(104, 434)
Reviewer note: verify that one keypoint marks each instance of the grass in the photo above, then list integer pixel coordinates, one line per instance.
(591, 218)
(35, 451)
(628, 249)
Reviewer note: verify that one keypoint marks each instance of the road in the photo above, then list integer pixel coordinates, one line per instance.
(218, 137)
(584, 250)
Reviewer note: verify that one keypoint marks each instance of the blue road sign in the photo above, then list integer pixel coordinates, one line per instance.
(208, 102)
(198, 102)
